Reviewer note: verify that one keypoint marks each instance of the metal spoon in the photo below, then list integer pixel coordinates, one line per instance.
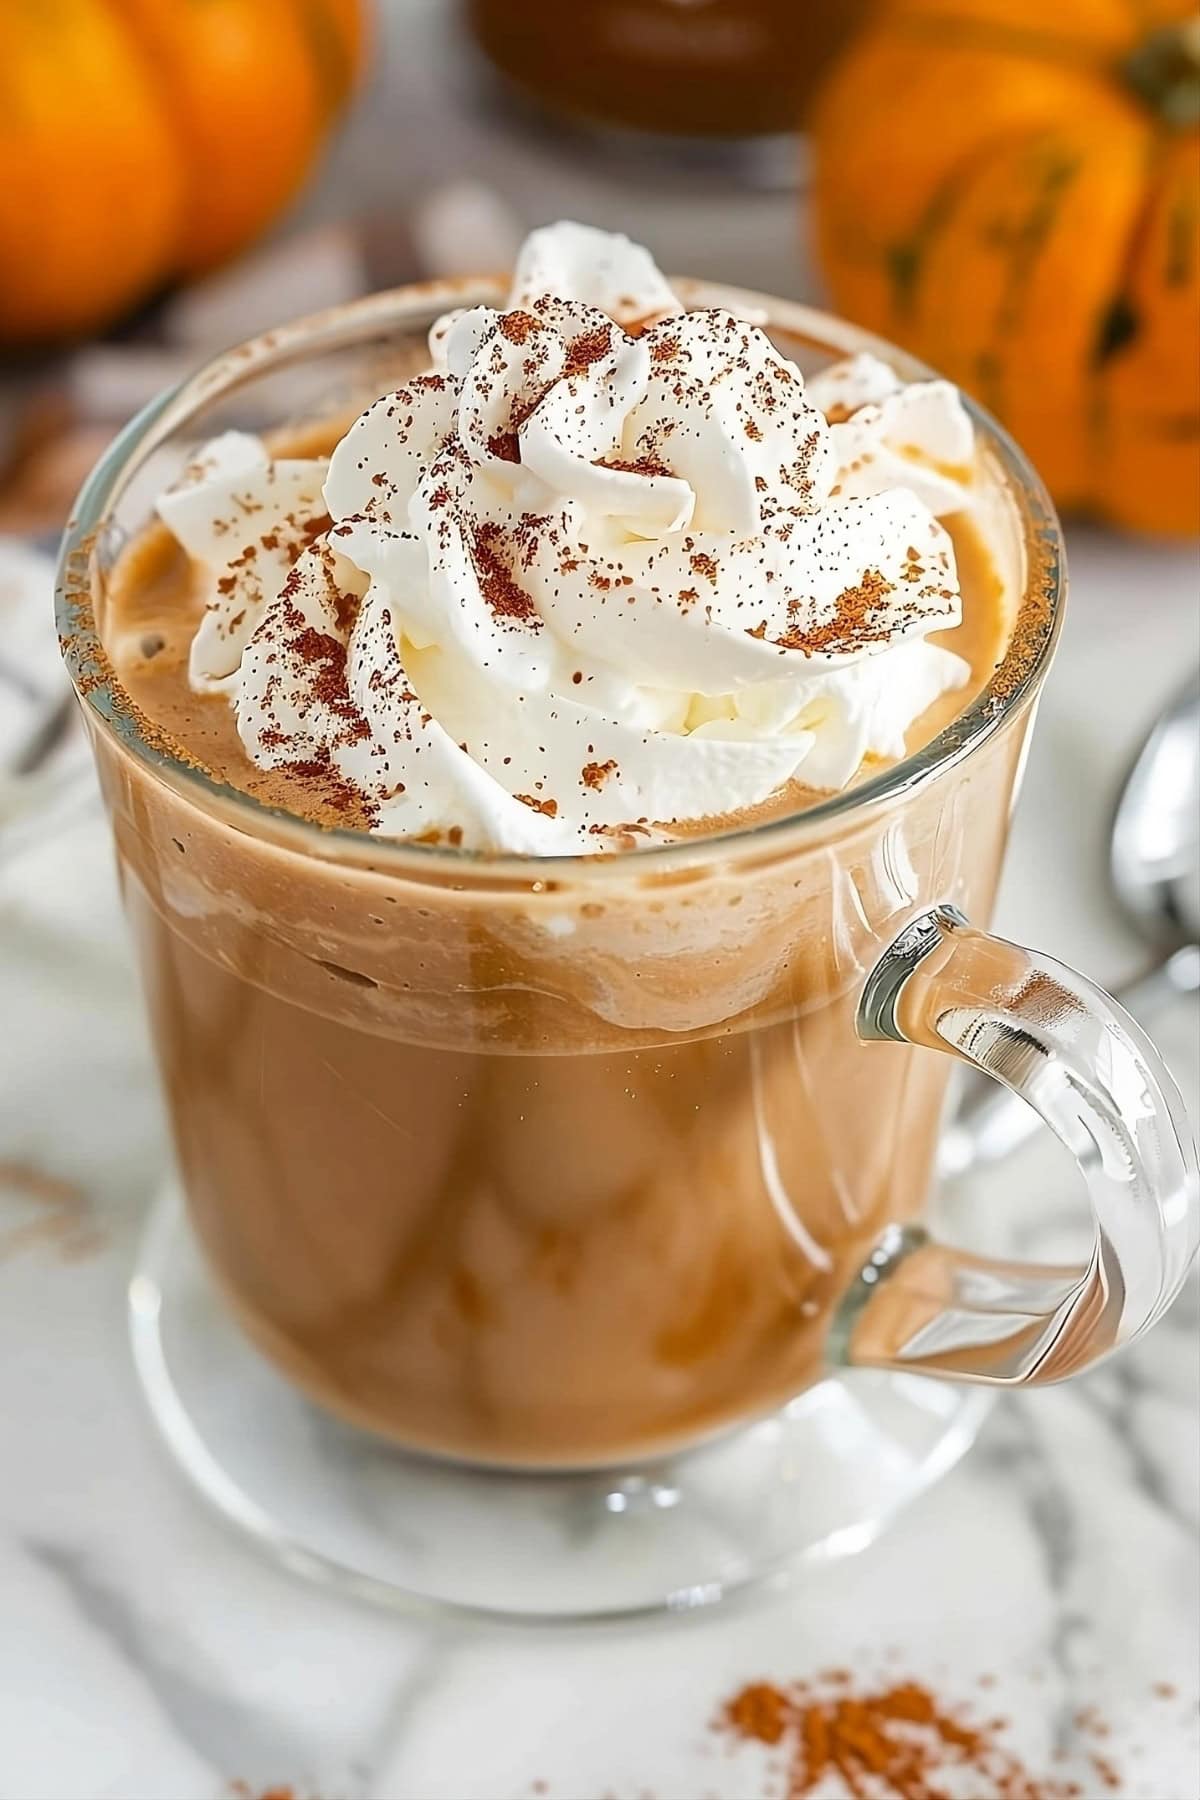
(1154, 867)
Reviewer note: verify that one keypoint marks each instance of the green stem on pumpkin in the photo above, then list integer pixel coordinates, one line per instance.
(1164, 71)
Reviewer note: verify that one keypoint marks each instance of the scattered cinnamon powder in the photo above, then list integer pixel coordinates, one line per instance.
(1108, 1772)
(896, 1742)
(858, 619)
(505, 596)
(623, 837)
(1088, 1720)
(32, 1182)
(340, 796)
(306, 531)
(244, 1791)
(505, 446)
(62, 1221)
(642, 465)
(583, 351)
(517, 326)
(827, 1737)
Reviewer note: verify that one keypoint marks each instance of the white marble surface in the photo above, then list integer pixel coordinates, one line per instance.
(146, 1653)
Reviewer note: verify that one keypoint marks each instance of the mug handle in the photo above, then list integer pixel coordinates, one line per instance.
(1061, 1043)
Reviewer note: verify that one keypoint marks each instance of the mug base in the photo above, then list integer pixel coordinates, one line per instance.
(819, 1479)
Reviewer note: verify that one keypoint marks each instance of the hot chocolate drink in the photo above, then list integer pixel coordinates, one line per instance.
(509, 1039)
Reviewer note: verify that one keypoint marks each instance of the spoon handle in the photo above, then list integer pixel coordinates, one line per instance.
(992, 1122)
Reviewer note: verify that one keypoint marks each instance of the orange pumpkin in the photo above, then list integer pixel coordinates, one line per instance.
(145, 139)
(1011, 189)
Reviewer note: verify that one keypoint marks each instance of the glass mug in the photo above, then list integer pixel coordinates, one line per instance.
(584, 1195)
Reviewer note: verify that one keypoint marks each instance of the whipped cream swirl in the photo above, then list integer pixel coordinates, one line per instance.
(577, 584)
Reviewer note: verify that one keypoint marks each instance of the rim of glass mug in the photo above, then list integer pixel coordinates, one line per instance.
(1037, 619)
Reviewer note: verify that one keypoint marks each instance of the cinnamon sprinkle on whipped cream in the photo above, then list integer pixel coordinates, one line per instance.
(608, 568)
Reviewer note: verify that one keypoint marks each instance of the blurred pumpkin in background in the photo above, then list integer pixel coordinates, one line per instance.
(1011, 189)
(141, 140)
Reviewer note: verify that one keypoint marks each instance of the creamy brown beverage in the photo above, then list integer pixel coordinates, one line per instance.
(548, 1140)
